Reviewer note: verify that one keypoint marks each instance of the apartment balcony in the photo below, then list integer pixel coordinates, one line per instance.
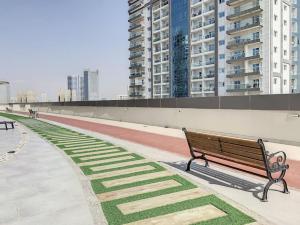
(195, 3)
(136, 95)
(244, 12)
(209, 9)
(209, 90)
(242, 42)
(242, 57)
(235, 2)
(196, 89)
(131, 2)
(196, 14)
(136, 85)
(156, 39)
(136, 55)
(136, 47)
(135, 75)
(136, 65)
(197, 26)
(197, 64)
(210, 76)
(209, 63)
(243, 87)
(209, 22)
(134, 27)
(156, 18)
(196, 77)
(134, 18)
(135, 36)
(209, 36)
(246, 26)
(134, 7)
(243, 73)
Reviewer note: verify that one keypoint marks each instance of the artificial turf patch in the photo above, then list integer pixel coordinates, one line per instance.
(113, 215)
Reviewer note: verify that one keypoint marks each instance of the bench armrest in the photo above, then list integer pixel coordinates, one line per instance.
(277, 162)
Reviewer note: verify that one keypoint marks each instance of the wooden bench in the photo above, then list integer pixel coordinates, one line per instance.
(12, 124)
(245, 152)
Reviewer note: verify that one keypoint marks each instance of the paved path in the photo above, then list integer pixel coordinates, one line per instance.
(157, 140)
(135, 190)
(237, 188)
(38, 186)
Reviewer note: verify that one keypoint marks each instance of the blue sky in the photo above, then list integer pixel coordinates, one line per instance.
(43, 41)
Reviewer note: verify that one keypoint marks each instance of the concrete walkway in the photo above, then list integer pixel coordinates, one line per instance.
(237, 188)
(39, 186)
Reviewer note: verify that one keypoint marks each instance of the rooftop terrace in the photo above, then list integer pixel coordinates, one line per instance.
(135, 172)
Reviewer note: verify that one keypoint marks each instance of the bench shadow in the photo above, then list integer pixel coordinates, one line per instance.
(220, 178)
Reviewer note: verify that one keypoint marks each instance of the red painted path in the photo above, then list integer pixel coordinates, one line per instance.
(163, 142)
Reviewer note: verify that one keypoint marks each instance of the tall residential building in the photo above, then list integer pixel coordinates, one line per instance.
(140, 85)
(181, 48)
(295, 80)
(4, 92)
(90, 85)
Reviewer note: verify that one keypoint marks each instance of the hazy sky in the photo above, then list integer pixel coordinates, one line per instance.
(43, 41)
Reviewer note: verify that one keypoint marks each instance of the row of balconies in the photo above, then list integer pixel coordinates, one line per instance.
(242, 57)
(244, 11)
(243, 25)
(243, 72)
(200, 24)
(243, 87)
(243, 41)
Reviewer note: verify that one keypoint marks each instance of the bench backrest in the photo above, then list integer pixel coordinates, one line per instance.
(246, 152)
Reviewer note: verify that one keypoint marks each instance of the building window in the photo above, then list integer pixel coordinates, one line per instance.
(285, 52)
(275, 33)
(221, 1)
(285, 67)
(221, 14)
(275, 49)
(284, 22)
(285, 37)
(275, 65)
(284, 82)
(275, 80)
(222, 28)
(222, 56)
(285, 7)
(222, 42)
(275, 17)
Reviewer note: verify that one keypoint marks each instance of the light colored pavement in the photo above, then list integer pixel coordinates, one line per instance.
(237, 188)
(39, 186)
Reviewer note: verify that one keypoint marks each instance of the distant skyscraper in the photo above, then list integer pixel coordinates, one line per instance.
(73, 86)
(194, 48)
(4, 92)
(90, 85)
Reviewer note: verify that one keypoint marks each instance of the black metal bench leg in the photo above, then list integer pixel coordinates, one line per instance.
(188, 167)
(266, 189)
(6, 126)
(285, 190)
(205, 159)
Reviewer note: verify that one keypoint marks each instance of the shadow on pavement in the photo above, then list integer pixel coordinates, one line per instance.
(220, 178)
